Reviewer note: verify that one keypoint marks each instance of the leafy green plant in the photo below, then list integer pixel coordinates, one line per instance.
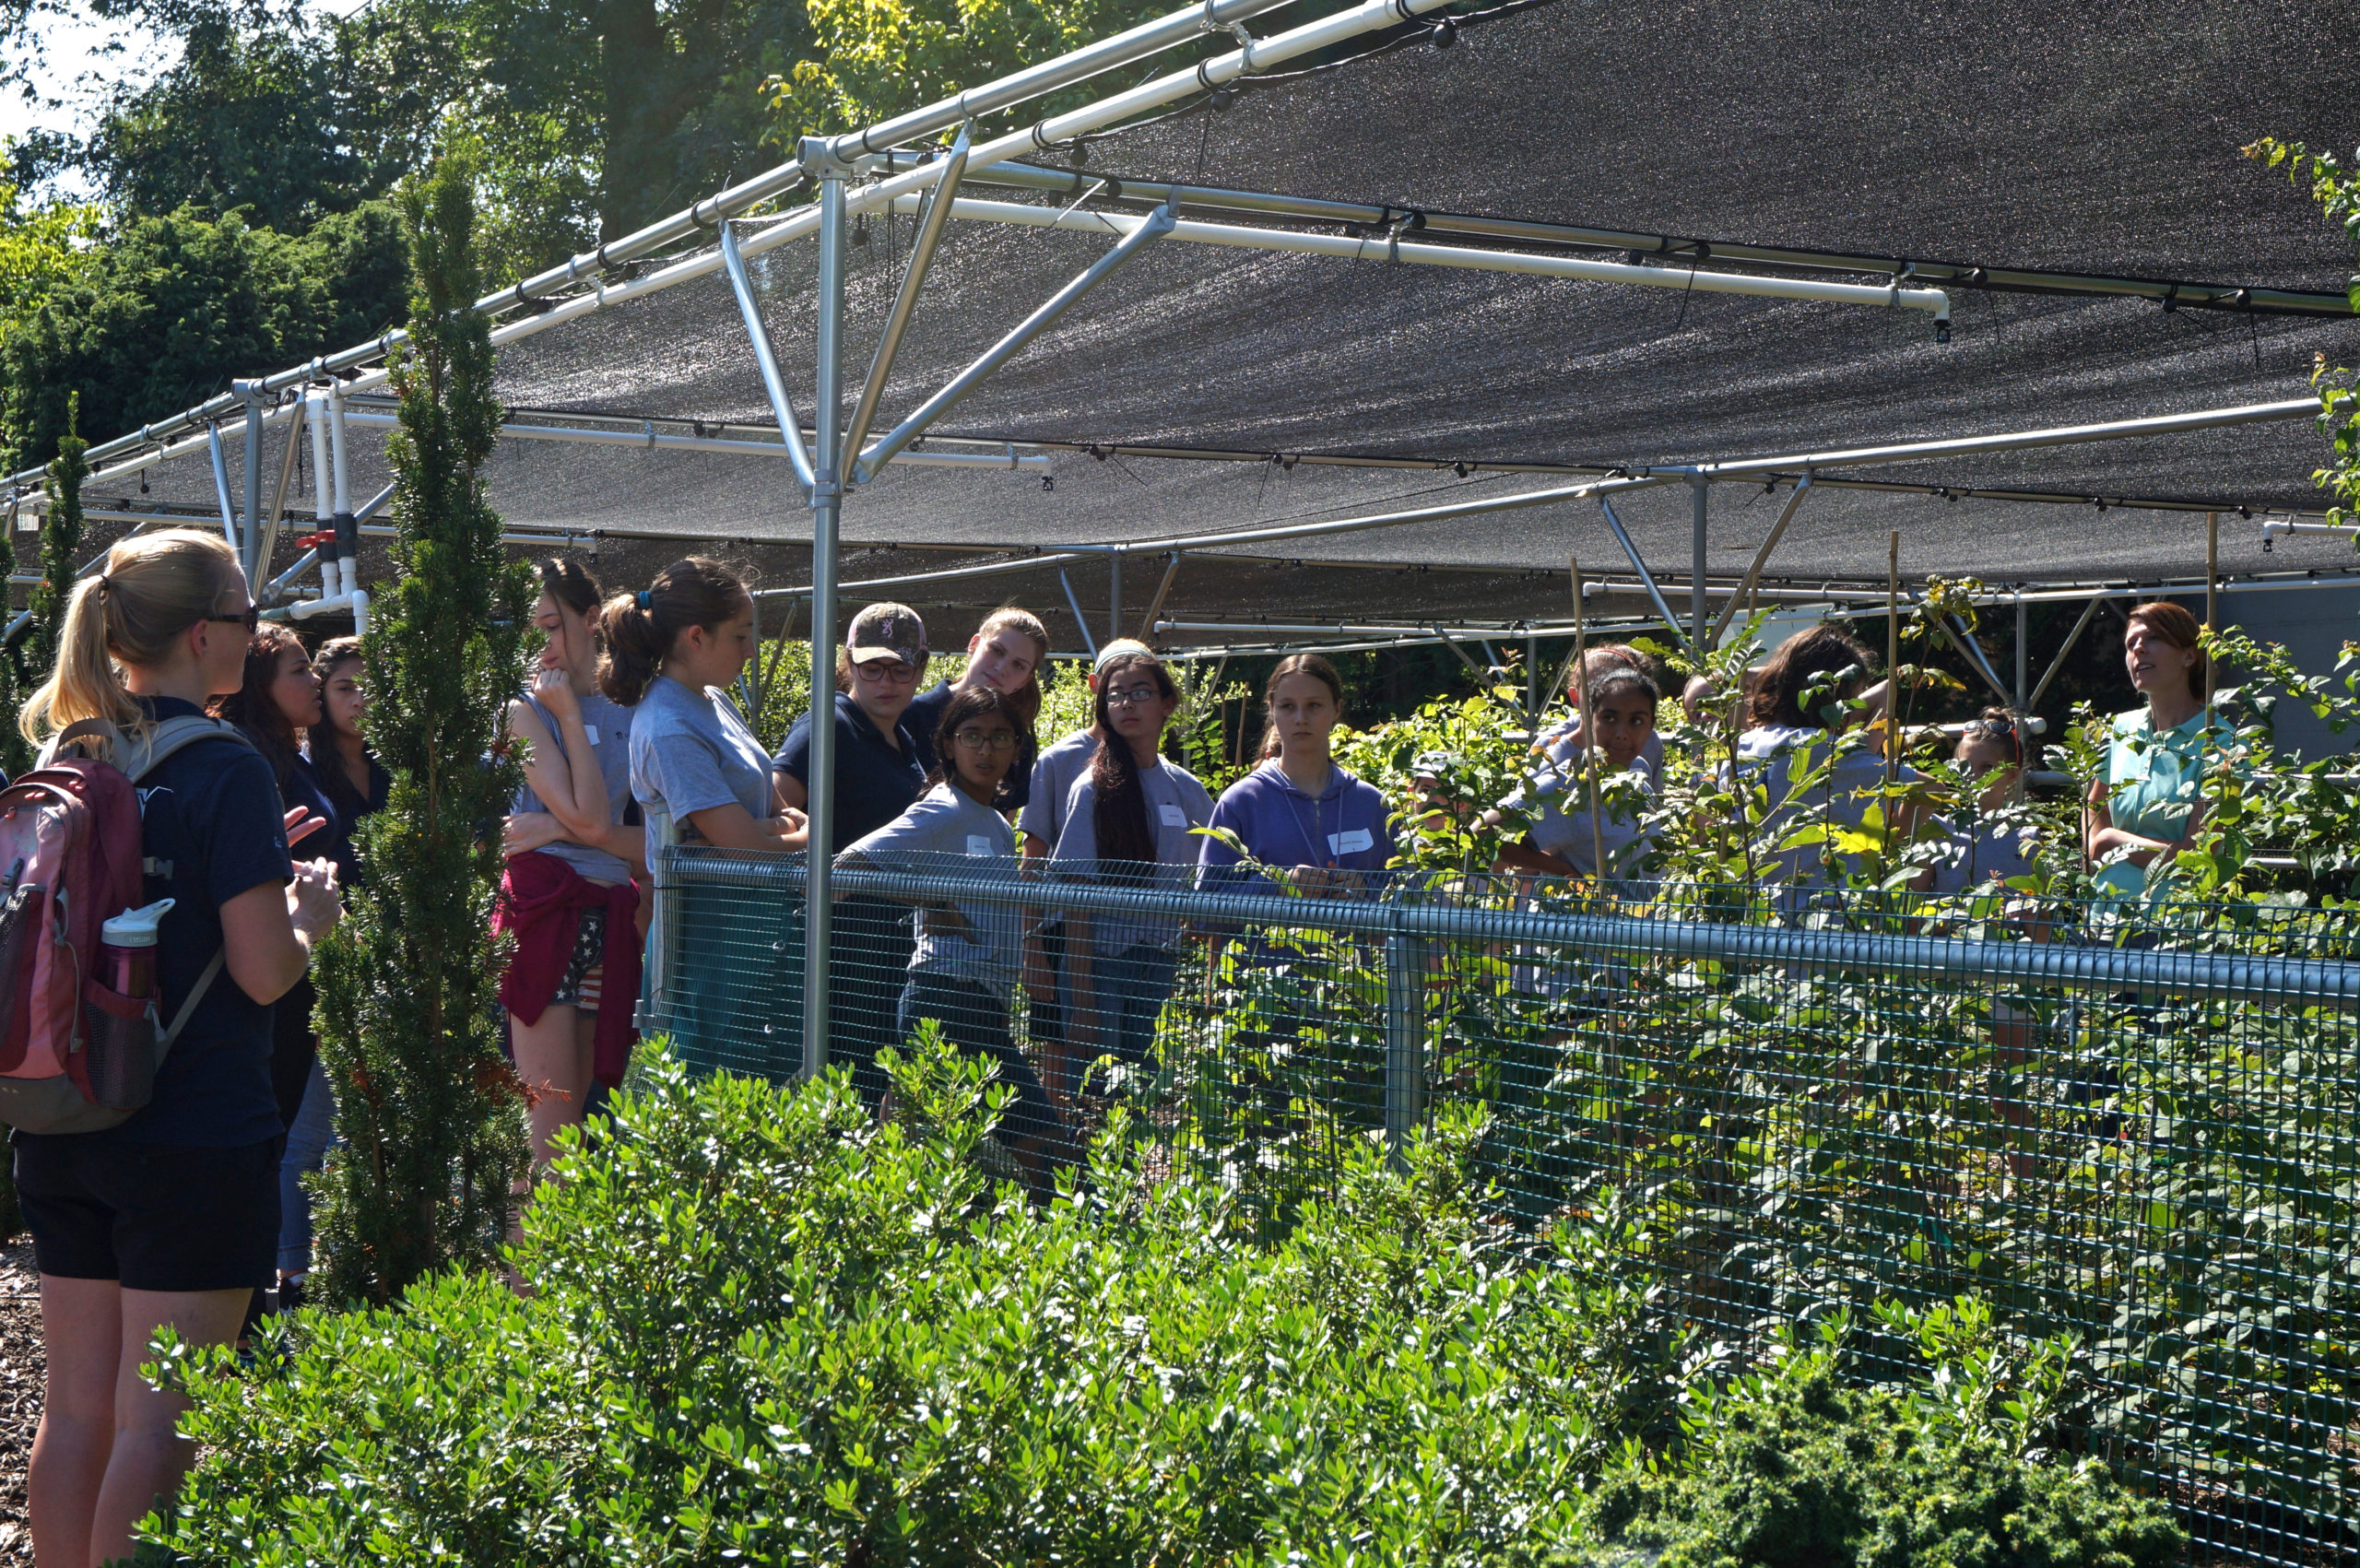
(767, 1327)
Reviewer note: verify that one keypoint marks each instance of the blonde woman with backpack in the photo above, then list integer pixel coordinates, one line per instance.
(171, 1216)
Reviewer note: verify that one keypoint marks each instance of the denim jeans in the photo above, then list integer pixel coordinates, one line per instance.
(308, 1141)
(976, 1021)
(1131, 986)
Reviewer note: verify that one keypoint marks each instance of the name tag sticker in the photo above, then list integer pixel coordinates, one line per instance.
(1173, 815)
(1352, 843)
(592, 731)
(978, 843)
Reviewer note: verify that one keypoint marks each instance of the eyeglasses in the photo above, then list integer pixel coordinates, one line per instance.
(1135, 696)
(250, 620)
(994, 741)
(880, 672)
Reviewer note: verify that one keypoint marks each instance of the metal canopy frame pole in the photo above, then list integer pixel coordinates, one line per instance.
(253, 531)
(1073, 602)
(1391, 249)
(1646, 578)
(790, 427)
(1762, 557)
(267, 544)
(1113, 596)
(2057, 664)
(1757, 469)
(1156, 227)
(827, 500)
(1163, 589)
(935, 218)
(221, 492)
(646, 436)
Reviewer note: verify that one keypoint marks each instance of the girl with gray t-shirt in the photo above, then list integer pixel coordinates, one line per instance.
(1131, 820)
(964, 969)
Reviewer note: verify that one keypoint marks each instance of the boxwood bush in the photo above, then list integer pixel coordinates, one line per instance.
(763, 1328)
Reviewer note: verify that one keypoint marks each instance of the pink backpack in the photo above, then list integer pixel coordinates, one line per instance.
(75, 1054)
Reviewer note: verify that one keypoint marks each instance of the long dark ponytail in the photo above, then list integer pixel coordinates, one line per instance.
(1126, 837)
(638, 629)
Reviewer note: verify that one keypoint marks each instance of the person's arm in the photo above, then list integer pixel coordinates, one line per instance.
(268, 931)
(788, 791)
(567, 779)
(1523, 856)
(731, 826)
(2101, 838)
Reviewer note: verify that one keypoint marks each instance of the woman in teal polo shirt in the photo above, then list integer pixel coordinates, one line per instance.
(2148, 803)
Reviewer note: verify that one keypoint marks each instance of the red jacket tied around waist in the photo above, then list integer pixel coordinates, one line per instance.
(541, 901)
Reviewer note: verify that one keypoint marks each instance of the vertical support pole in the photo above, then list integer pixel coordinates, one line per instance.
(347, 526)
(1405, 1042)
(1699, 488)
(251, 541)
(827, 500)
(2023, 651)
(1532, 682)
(1114, 594)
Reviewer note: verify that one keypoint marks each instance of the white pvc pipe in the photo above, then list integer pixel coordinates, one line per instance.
(348, 569)
(1366, 247)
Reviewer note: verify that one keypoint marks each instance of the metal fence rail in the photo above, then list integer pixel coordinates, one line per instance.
(2138, 1124)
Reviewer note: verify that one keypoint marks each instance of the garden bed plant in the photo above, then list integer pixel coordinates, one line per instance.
(763, 1328)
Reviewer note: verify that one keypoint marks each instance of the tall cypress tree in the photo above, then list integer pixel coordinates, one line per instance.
(60, 539)
(407, 1015)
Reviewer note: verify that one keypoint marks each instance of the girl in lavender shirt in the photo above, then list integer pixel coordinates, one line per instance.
(1300, 816)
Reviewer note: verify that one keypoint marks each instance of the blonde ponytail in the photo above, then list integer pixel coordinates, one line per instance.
(152, 589)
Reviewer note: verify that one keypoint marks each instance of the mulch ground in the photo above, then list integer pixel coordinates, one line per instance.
(20, 1374)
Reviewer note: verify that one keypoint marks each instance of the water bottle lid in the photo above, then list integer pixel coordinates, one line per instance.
(135, 927)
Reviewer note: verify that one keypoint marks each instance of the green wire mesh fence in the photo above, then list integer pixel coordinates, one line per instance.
(2138, 1124)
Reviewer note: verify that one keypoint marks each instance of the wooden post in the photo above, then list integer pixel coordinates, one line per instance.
(1892, 658)
(2212, 600)
(1590, 741)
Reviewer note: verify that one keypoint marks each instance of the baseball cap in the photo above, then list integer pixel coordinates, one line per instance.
(887, 631)
(1118, 648)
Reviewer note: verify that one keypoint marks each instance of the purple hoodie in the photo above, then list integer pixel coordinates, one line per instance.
(1345, 827)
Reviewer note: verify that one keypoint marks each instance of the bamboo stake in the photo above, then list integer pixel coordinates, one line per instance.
(1892, 658)
(1589, 738)
(2211, 601)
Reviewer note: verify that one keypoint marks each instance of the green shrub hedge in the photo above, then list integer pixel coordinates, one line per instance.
(766, 1328)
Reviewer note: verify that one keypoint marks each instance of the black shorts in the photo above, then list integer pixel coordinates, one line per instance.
(152, 1216)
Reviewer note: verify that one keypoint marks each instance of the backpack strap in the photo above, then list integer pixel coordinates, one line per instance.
(212, 972)
(172, 737)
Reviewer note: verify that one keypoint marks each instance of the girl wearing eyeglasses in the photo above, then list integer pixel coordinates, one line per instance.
(1130, 821)
(965, 957)
(877, 777)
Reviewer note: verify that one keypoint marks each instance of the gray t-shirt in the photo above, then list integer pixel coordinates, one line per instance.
(1558, 801)
(689, 751)
(609, 726)
(1177, 804)
(949, 832)
(1043, 816)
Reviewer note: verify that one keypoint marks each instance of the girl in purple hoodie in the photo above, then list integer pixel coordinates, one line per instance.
(1299, 815)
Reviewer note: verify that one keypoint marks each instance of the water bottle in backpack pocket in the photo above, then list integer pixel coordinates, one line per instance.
(119, 1024)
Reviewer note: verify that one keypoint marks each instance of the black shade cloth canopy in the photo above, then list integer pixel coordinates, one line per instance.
(2096, 138)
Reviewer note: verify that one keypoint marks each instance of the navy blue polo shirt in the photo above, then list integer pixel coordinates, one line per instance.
(923, 716)
(875, 784)
(211, 813)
